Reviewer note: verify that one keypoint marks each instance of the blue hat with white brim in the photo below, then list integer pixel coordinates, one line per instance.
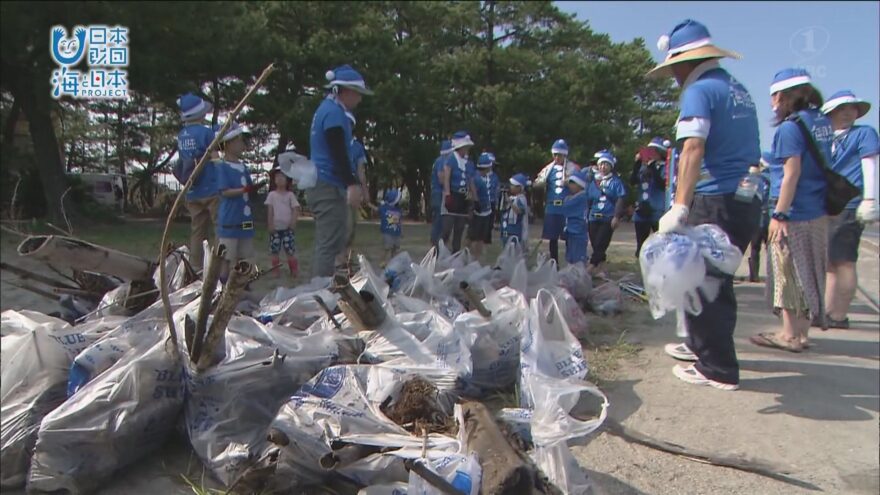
(846, 97)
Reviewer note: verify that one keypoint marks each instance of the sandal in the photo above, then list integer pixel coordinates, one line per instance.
(774, 341)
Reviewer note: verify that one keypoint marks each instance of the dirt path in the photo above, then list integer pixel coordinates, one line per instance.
(816, 412)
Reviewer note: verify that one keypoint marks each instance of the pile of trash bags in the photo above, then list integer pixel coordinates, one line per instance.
(302, 395)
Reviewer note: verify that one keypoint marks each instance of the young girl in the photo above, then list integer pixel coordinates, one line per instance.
(283, 213)
(515, 218)
(389, 224)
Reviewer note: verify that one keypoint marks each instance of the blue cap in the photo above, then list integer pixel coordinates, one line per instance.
(234, 130)
(581, 178)
(521, 180)
(445, 147)
(605, 156)
(660, 143)
(192, 107)
(461, 139)
(789, 78)
(347, 77)
(560, 147)
(486, 160)
(845, 97)
(392, 196)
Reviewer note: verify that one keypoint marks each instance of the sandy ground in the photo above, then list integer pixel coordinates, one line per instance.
(814, 413)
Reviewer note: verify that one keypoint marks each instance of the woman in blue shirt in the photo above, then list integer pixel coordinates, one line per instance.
(607, 195)
(855, 156)
(797, 233)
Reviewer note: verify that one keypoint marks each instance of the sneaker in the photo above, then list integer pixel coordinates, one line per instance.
(842, 324)
(680, 352)
(691, 375)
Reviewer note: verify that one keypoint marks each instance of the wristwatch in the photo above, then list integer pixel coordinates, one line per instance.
(780, 216)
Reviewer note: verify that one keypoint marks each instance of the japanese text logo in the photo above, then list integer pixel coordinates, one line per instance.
(105, 50)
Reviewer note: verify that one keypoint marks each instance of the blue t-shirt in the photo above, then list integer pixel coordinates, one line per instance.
(603, 197)
(436, 186)
(733, 144)
(574, 207)
(765, 197)
(358, 155)
(809, 197)
(511, 221)
(557, 188)
(389, 219)
(653, 194)
(460, 178)
(848, 149)
(329, 114)
(482, 184)
(234, 218)
(192, 142)
(494, 189)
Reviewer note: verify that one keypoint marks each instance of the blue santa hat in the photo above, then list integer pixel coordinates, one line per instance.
(445, 147)
(789, 78)
(192, 107)
(689, 40)
(234, 130)
(845, 97)
(660, 143)
(461, 139)
(560, 147)
(347, 77)
(581, 178)
(605, 156)
(521, 180)
(392, 197)
(486, 160)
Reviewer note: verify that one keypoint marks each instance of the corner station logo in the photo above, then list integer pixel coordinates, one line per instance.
(105, 49)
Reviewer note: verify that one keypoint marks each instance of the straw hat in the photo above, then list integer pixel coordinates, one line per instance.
(689, 40)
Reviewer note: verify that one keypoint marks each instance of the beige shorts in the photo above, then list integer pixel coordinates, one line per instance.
(238, 248)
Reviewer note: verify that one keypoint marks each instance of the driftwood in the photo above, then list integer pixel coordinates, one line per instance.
(327, 310)
(474, 300)
(163, 277)
(85, 256)
(36, 277)
(212, 276)
(30, 288)
(361, 307)
(239, 277)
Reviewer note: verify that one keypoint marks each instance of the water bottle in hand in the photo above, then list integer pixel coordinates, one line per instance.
(748, 187)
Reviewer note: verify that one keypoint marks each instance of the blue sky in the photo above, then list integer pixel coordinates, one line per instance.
(837, 42)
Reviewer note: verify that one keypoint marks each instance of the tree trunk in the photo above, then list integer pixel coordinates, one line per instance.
(35, 103)
(415, 193)
(9, 125)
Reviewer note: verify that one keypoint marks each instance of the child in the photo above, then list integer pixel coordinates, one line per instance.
(515, 218)
(607, 195)
(480, 230)
(201, 199)
(575, 211)
(235, 222)
(283, 213)
(389, 224)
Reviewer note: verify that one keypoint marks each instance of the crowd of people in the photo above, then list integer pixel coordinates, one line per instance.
(778, 199)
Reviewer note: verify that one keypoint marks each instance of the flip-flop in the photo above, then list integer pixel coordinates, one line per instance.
(773, 341)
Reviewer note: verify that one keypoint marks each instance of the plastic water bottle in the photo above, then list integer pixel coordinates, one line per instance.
(748, 187)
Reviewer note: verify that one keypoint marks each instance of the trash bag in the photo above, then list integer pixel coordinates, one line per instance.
(461, 471)
(399, 274)
(574, 316)
(299, 168)
(119, 416)
(494, 342)
(297, 307)
(36, 354)
(575, 279)
(716, 248)
(230, 405)
(606, 299)
(673, 269)
(334, 426)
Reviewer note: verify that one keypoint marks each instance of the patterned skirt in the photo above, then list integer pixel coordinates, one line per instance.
(798, 266)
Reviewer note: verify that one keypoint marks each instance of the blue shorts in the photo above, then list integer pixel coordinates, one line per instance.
(554, 223)
(576, 249)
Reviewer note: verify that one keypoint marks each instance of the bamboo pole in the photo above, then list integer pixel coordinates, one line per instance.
(163, 284)
(239, 277)
(474, 300)
(212, 276)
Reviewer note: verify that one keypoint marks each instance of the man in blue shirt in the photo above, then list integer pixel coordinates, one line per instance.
(437, 192)
(457, 178)
(717, 130)
(649, 177)
(854, 153)
(337, 189)
(554, 178)
(201, 199)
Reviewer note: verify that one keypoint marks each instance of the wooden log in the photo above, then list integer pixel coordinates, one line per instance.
(85, 256)
(361, 307)
(209, 286)
(36, 277)
(474, 300)
(239, 277)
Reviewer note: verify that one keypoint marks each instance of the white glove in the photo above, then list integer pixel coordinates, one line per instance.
(673, 220)
(867, 212)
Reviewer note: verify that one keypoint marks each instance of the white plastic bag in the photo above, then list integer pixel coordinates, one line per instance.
(299, 168)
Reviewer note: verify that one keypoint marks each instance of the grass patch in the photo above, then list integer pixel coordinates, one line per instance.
(605, 359)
